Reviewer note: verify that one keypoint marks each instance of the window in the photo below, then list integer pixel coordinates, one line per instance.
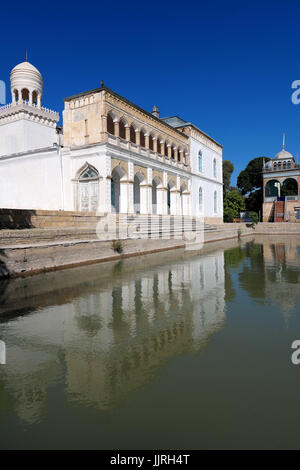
(200, 161)
(88, 173)
(215, 202)
(200, 199)
(215, 168)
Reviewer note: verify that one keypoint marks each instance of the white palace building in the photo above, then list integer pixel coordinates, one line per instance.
(109, 156)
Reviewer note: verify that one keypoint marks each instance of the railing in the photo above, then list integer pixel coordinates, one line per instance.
(112, 139)
(22, 103)
(270, 199)
(270, 170)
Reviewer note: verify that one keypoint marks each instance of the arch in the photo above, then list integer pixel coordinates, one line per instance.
(122, 125)
(117, 192)
(25, 94)
(110, 124)
(159, 143)
(272, 188)
(182, 194)
(289, 187)
(137, 195)
(132, 134)
(166, 148)
(87, 171)
(16, 95)
(156, 199)
(88, 188)
(200, 161)
(151, 141)
(171, 197)
(173, 152)
(142, 138)
(34, 97)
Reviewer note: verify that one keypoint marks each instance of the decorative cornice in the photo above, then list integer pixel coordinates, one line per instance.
(23, 110)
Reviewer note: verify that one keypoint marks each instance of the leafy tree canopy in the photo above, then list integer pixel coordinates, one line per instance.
(250, 179)
(234, 203)
(228, 168)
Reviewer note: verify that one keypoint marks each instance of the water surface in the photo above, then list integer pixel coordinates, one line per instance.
(176, 350)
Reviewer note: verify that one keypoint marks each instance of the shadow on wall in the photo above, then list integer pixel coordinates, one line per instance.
(16, 219)
(4, 272)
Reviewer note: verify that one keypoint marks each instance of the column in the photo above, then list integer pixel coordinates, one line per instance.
(138, 137)
(164, 196)
(149, 191)
(130, 188)
(154, 144)
(107, 193)
(117, 128)
(160, 200)
(123, 196)
(127, 133)
(169, 151)
(104, 135)
(147, 141)
(144, 197)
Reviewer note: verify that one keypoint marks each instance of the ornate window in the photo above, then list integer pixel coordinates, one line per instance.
(215, 168)
(200, 161)
(89, 173)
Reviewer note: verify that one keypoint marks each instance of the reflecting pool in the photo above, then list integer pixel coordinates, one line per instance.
(170, 351)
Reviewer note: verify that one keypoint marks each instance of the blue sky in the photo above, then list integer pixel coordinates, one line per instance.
(226, 66)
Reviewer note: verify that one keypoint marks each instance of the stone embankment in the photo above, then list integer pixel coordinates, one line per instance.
(50, 240)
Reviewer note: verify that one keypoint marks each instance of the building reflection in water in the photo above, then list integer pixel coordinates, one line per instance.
(268, 269)
(104, 332)
(281, 276)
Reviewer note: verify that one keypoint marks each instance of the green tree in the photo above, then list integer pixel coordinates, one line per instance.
(228, 168)
(234, 203)
(250, 183)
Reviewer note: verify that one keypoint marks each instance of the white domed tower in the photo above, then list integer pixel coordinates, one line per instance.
(24, 124)
(26, 84)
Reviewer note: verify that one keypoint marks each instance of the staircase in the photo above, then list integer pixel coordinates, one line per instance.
(155, 226)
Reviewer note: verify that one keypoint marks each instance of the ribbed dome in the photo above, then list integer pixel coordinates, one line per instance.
(283, 155)
(26, 76)
(26, 66)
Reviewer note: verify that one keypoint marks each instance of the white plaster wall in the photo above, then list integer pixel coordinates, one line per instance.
(73, 161)
(31, 181)
(23, 135)
(206, 180)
